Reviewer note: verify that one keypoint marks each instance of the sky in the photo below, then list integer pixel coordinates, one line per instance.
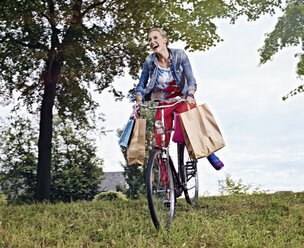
(263, 134)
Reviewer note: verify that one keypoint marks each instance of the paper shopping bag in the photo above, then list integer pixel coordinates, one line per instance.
(202, 134)
(136, 148)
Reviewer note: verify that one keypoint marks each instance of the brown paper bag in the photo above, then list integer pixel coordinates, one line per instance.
(202, 135)
(136, 149)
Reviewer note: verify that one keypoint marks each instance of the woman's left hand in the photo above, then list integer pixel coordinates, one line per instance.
(190, 100)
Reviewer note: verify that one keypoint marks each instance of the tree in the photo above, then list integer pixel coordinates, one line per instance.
(76, 170)
(287, 32)
(18, 164)
(52, 50)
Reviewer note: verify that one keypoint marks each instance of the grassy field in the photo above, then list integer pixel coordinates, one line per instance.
(265, 220)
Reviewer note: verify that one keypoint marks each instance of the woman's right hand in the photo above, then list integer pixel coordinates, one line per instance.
(138, 110)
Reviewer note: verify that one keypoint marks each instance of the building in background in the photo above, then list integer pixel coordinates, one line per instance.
(111, 180)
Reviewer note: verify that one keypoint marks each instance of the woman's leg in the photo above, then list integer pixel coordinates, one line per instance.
(168, 124)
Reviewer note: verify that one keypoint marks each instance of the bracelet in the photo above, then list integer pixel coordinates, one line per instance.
(191, 95)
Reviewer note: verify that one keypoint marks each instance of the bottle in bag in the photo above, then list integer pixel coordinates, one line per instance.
(215, 161)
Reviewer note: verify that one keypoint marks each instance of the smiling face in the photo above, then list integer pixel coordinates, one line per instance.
(157, 42)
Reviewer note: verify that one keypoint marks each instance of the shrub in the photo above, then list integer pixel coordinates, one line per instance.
(110, 196)
(229, 186)
(3, 199)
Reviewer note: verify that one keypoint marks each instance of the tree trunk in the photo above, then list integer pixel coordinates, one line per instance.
(46, 128)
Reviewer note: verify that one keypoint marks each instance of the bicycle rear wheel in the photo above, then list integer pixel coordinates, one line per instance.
(160, 190)
(191, 179)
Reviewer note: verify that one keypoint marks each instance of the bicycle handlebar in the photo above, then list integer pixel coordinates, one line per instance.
(163, 106)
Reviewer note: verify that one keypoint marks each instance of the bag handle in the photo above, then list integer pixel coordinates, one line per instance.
(188, 105)
(134, 113)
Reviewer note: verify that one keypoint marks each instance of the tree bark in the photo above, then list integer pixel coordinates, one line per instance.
(46, 127)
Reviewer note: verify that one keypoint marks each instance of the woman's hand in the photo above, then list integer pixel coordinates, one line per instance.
(190, 98)
(135, 106)
(138, 101)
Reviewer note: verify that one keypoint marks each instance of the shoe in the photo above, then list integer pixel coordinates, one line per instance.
(215, 162)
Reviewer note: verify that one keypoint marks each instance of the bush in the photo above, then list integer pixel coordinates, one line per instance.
(229, 186)
(110, 196)
(3, 199)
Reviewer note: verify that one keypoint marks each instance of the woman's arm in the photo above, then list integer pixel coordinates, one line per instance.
(191, 82)
(142, 83)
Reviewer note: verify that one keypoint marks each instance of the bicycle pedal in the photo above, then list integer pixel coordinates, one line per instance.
(166, 200)
(168, 196)
(191, 168)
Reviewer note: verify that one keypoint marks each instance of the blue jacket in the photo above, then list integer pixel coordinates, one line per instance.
(181, 71)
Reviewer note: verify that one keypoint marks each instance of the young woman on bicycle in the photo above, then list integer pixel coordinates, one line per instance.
(167, 73)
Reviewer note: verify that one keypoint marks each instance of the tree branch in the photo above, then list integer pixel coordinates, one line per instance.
(28, 45)
(92, 6)
(47, 17)
(32, 46)
(52, 13)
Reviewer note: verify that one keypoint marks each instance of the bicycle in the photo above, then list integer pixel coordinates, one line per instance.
(164, 183)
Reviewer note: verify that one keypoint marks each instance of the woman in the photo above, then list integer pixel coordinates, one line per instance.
(170, 74)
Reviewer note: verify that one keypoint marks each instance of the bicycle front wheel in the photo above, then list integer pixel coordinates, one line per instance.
(160, 190)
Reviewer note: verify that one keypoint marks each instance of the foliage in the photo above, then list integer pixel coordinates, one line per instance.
(287, 32)
(93, 41)
(294, 92)
(110, 196)
(18, 159)
(136, 175)
(229, 186)
(75, 170)
(3, 199)
(264, 220)
(120, 188)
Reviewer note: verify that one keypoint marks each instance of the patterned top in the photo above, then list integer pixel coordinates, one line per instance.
(165, 88)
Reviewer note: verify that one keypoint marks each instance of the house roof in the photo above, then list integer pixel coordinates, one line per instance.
(111, 179)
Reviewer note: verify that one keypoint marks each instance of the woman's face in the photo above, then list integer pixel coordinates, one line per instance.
(157, 42)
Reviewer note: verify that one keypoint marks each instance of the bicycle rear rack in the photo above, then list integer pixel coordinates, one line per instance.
(190, 168)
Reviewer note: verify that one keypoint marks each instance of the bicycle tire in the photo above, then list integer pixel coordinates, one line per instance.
(191, 179)
(161, 209)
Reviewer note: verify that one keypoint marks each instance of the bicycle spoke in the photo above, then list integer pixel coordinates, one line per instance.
(160, 190)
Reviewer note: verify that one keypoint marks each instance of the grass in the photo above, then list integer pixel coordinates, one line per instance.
(265, 220)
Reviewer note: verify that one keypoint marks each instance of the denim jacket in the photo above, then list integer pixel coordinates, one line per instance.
(181, 71)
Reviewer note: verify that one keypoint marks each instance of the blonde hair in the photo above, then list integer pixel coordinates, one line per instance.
(162, 32)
